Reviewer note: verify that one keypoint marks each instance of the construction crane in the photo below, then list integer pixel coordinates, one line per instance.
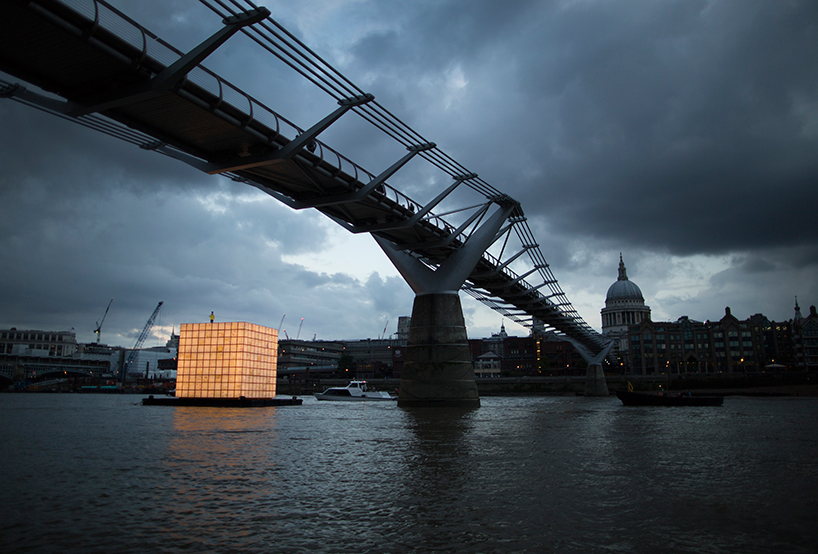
(133, 355)
(299, 329)
(98, 330)
(281, 322)
(383, 335)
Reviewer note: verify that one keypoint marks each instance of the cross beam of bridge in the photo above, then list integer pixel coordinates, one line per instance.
(114, 81)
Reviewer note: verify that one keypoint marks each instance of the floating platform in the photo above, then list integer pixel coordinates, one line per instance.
(240, 402)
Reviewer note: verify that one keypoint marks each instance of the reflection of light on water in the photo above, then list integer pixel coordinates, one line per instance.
(209, 434)
(555, 474)
(223, 465)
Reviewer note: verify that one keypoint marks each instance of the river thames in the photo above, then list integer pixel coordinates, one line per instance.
(102, 473)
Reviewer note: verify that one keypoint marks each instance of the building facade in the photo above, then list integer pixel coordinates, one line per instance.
(404, 322)
(34, 354)
(536, 355)
(728, 345)
(35, 342)
(488, 365)
(302, 357)
(624, 306)
(805, 339)
(376, 357)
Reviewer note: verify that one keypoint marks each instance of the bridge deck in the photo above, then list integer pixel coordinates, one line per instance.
(113, 81)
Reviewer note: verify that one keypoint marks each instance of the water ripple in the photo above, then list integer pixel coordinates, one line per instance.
(100, 474)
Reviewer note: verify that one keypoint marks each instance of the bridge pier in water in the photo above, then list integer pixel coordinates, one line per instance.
(595, 383)
(437, 369)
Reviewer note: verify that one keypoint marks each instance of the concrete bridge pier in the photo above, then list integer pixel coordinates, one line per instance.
(595, 383)
(438, 370)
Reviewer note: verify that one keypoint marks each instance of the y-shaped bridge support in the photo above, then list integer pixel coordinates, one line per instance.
(595, 383)
(438, 370)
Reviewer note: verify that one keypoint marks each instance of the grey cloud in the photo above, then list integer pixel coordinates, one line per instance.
(677, 118)
(665, 130)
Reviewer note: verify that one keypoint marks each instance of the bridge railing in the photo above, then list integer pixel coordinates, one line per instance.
(288, 48)
(147, 47)
(224, 100)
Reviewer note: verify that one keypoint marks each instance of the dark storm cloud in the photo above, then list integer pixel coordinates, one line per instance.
(684, 126)
(51, 153)
(663, 129)
(672, 131)
(694, 122)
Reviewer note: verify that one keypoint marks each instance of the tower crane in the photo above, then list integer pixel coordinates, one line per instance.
(98, 330)
(133, 355)
(299, 329)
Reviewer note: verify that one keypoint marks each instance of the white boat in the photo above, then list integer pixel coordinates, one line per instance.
(354, 391)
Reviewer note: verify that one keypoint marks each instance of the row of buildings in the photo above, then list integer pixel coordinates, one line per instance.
(37, 355)
(498, 355)
(31, 354)
(643, 347)
(726, 345)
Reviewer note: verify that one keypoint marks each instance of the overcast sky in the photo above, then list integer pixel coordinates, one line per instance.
(682, 134)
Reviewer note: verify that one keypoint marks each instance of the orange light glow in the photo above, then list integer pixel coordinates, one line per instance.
(227, 360)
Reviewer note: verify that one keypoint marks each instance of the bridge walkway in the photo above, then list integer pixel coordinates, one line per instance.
(97, 67)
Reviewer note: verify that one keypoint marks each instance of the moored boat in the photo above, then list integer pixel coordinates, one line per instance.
(631, 398)
(354, 391)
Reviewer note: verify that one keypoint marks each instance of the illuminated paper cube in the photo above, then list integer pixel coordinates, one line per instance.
(226, 360)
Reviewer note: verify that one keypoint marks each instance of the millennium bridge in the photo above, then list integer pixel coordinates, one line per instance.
(85, 61)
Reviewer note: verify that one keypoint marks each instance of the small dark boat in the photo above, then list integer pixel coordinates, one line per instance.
(630, 398)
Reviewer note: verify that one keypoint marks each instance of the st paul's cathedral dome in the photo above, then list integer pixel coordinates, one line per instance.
(624, 305)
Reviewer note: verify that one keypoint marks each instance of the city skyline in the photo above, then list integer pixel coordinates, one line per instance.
(681, 135)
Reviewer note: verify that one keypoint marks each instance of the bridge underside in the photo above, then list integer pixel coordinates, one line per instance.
(115, 82)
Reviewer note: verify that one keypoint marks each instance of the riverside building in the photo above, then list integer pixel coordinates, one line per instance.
(536, 355)
(33, 354)
(728, 345)
(805, 339)
(313, 358)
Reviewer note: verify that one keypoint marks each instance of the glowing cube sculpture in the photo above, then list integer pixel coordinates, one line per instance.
(226, 360)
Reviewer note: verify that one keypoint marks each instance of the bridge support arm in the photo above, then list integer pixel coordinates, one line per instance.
(303, 140)
(372, 185)
(453, 272)
(177, 71)
(308, 136)
(415, 218)
(24, 95)
(595, 382)
(454, 234)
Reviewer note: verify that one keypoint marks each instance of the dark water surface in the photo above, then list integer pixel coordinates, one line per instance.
(101, 473)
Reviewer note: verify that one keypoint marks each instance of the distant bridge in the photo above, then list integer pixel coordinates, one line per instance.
(106, 72)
